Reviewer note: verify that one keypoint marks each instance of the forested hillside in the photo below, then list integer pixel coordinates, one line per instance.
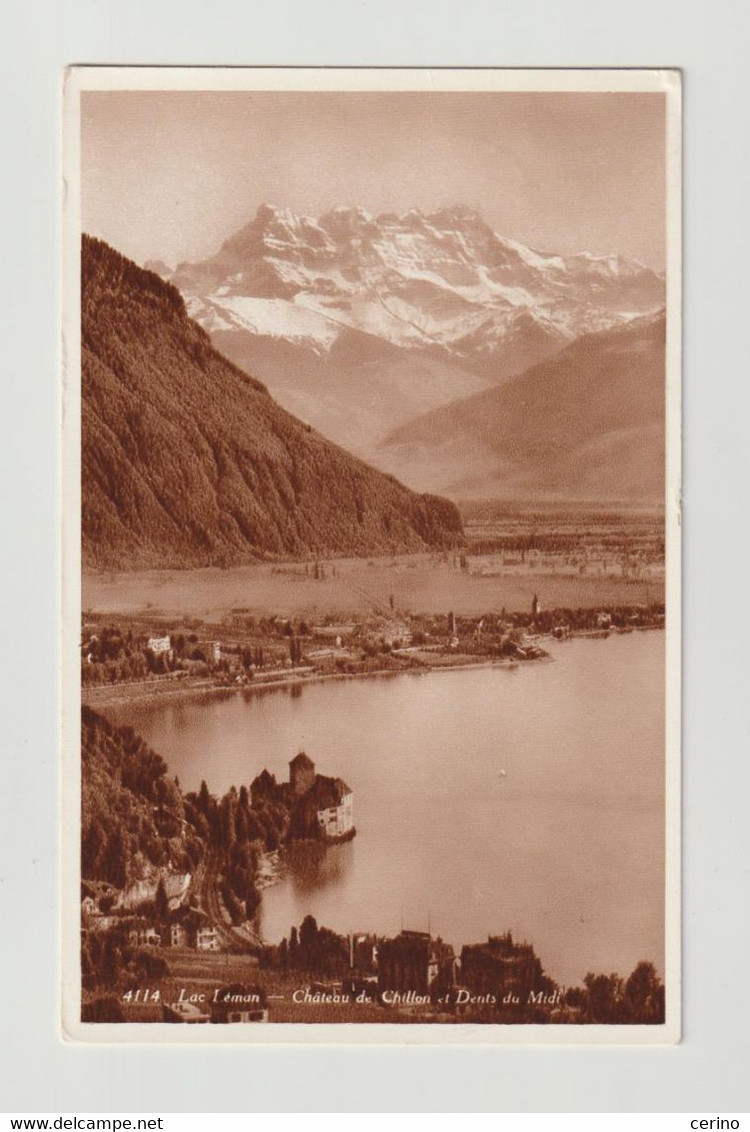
(136, 823)
(187, 461)
(132, 814)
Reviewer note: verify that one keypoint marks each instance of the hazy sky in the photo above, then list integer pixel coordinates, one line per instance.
(171, 175)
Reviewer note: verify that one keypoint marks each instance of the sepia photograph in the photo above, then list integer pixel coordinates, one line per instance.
(371, 552)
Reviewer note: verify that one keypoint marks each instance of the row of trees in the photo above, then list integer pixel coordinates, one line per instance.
(316, 950)
(128, 668)
(235, 820)
(112, 657)
(545, 620)
(559, 542)
(608, 999)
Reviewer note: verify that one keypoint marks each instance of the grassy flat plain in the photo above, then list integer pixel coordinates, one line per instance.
(418, 583)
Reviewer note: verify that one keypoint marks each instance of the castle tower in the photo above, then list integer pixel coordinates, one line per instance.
(301, 774)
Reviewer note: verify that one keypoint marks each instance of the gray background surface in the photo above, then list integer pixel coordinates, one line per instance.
(707, 1072)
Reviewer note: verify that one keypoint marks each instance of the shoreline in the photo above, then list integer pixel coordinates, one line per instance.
(152, 691)
(258, 686)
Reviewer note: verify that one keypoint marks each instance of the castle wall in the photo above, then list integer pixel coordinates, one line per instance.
(338, 820)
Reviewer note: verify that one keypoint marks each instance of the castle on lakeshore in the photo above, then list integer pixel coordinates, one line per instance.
(321, 807)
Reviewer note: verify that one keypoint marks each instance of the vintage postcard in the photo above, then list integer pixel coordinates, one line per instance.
(371, 555)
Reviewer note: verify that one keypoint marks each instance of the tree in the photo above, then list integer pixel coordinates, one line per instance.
(115, 865)
(241, 824)
(308, 940)
(148, 965)
(252, 900)
(604, 997)
(203, 798)
(110, 961)
(227, 832)
(90, 849)
(644, 994)
(161, 901)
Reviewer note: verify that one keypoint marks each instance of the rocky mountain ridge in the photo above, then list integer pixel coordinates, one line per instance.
(358, 323)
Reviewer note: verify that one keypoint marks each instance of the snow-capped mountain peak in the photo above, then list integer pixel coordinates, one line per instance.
(435, 289)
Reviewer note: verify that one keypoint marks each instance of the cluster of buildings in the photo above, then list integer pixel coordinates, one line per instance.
(185, 927)
(411, 970)
(161, 646)
(501, 968)
(188, 928)
(414, 963)
(415, 969)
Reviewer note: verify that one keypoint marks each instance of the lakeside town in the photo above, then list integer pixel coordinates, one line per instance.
(131, 657)
(525, 575)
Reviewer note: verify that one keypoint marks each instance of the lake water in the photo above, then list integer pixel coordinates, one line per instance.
(565, 849)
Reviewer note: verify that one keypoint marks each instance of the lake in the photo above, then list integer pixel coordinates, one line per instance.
(488, 799)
